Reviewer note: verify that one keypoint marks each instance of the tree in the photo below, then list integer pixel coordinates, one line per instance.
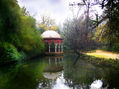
(47, 23)
(46, 19)
(88, 4)
(76, 36)
(18, 31)
(108, 32)
(30, 36)
(9, 20)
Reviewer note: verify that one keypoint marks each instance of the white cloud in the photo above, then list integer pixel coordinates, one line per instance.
(58, 9)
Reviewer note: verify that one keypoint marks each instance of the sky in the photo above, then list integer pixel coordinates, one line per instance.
(56, 9)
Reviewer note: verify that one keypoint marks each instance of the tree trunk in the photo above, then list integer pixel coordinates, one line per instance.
(78, 53)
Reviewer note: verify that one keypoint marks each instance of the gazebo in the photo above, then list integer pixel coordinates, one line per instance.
(53, 42)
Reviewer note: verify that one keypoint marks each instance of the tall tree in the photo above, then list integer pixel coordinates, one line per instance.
(18, 31)
(111, 10)
(9, 20)
(76, 37)
(47, 23)
(88, 4)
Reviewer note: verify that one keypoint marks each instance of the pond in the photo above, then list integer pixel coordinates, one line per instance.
(59, 72)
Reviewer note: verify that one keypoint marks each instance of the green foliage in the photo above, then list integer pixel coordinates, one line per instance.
(46, 46)
(18, 32)
(116, 48)
(9, 20)
(52, 44)
(30, 36)
(111, 11)
(8, 52)
(108, 32)
(41, 29)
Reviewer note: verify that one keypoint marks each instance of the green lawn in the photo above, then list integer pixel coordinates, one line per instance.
(103, 54)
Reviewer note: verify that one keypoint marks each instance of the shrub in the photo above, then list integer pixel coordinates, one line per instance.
(8, 52)
(115, 48)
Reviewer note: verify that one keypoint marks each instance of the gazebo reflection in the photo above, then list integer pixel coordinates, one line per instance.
(54, 64)
(53, 69)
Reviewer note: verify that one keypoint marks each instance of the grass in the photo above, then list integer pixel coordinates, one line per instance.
(97, 55)
(102, 61)
(103, 54)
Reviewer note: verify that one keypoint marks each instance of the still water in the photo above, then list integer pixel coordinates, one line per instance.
(61, 72)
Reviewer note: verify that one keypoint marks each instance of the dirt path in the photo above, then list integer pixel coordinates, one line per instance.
(104, 54)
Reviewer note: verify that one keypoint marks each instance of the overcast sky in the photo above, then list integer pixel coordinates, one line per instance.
(56, 9)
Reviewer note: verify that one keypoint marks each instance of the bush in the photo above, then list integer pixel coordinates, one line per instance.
(115, 48)
(8, 52)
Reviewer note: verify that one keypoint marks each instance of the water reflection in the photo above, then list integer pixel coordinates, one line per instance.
(68, 72)
(52, 71)
(97, 84)
(54, 64)
(80, 74)
(60, 83)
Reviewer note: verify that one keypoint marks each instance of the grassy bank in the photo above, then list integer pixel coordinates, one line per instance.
(103, 54)
(99, 61)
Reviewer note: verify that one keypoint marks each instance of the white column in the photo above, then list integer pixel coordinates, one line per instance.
(59, 48)
(59, 60)
(49, 48)
(56, 60)
(62, 48)
(49, 60)
(62, 59)
(55, 48)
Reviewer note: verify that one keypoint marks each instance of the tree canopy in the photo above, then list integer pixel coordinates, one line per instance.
(47, 23)
(18, 28)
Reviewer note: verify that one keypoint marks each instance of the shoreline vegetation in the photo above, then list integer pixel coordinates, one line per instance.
(103, 58)
(8, 63)
(108, 62)
(102, 61)
(96, 57)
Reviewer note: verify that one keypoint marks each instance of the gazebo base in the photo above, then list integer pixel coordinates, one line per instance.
(54, 53)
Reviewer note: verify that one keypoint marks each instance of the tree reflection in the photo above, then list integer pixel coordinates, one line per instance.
(57, 72)
(54, 64)
(52, 71)
(80, 73)
(22, 76)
